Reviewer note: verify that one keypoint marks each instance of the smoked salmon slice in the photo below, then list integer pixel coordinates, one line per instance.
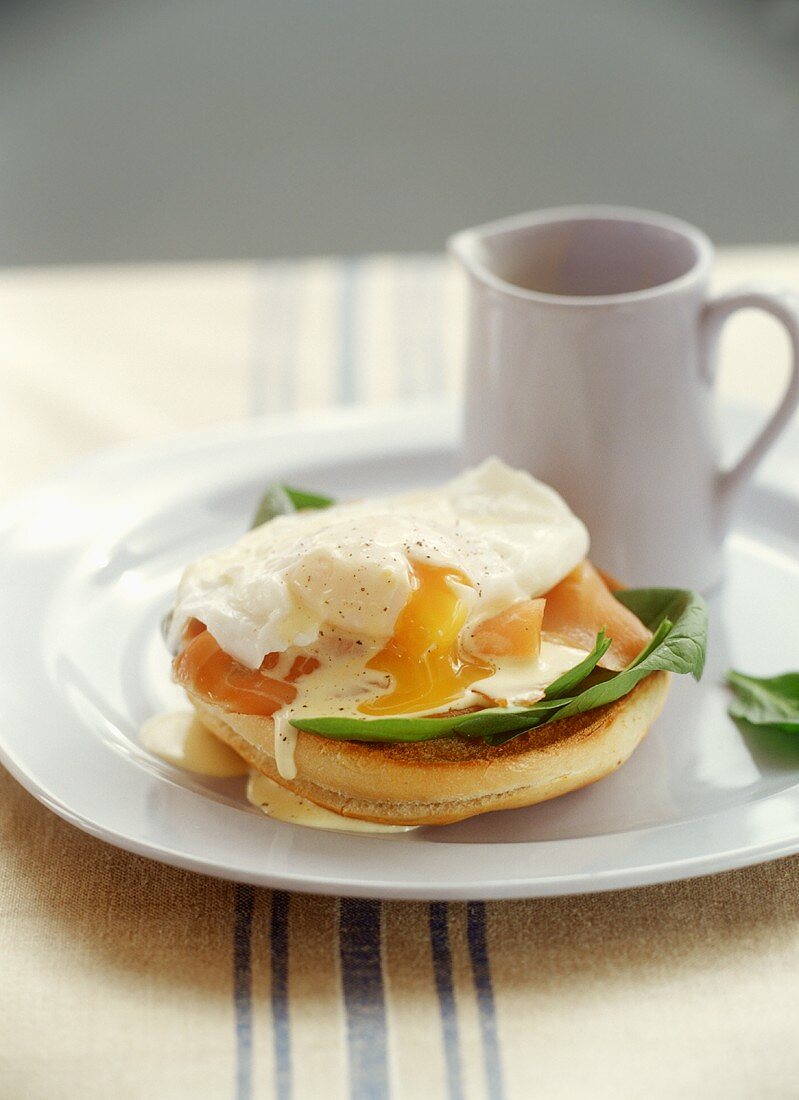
(205, 668)
(514, 632)
(580, 606)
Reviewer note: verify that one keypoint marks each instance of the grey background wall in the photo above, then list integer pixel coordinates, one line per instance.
(226, 128)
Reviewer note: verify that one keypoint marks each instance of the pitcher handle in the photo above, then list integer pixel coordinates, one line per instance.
(784, 306)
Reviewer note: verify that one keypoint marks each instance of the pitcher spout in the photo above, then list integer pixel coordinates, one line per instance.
(464, 246)
(497, 254)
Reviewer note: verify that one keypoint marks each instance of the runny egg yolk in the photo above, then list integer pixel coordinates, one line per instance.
(423, 656)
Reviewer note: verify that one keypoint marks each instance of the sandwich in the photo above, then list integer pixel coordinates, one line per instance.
(421, 658)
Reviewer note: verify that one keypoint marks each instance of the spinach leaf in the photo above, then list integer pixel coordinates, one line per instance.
(378, 729)
(422, 729)
(679, 644)
(767, 702)
(280, 500)
(301, 499)
(499, 724)
(565, 684)
(685, 647)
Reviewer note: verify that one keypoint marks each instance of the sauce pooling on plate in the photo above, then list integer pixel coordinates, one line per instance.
(284, 805)
(180, 738)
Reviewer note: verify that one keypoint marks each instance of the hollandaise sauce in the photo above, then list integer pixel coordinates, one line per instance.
(180, 738)
(284, 805)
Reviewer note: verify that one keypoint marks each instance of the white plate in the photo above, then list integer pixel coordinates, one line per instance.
(88, 563)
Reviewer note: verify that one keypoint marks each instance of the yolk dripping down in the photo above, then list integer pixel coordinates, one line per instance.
(423, 656)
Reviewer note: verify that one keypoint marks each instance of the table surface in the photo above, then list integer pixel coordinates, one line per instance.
(127, 978)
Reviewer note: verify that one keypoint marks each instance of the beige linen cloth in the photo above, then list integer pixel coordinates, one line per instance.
(124, 978)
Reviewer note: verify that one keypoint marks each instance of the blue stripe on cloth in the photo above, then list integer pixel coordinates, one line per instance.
(347, 329)
(242, 987)
(279, 960)
(364, 998)
(442, 972)
(481, 969)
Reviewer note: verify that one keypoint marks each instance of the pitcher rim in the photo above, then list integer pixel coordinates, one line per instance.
(461, 243)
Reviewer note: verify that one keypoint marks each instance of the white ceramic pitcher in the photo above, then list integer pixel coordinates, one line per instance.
(590, 363)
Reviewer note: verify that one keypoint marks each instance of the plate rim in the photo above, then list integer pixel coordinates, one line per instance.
(442, 415)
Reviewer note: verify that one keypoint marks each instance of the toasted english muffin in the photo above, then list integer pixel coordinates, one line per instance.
(442, 781)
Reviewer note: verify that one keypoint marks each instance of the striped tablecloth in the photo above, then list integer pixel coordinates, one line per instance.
(128, 979)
